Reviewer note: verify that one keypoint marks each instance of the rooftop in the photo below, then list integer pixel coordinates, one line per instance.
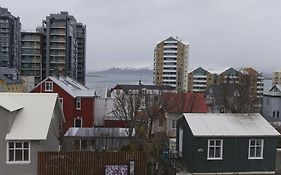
(229, 125)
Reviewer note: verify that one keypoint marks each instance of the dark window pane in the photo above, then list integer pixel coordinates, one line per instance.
(11, 144)
(218, 152)
(11, 155)
(218, 143)
(18, 145)
(252, 152)
(258, 152)
(76, 144)
(211, 152)
(25, 145)
(259, 142)
(25, 155)
(212, 142)
(83, 144)
(18, 155)
(253, 142)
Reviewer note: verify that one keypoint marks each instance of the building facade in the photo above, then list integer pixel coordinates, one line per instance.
(65, 46)
(171, 64)
(80, 58)
(32, 54)
(10, 28)
(276, 77)
(200, 79)
(10, 81)
(227, 143)
(76, 100)
(29, 123)
(271, 106)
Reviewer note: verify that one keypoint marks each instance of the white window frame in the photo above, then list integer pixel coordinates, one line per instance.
(214, 147)
(50, 86)
(254, 146)
(78, 103)
(174, 124)
(14, 149)
(75, 122)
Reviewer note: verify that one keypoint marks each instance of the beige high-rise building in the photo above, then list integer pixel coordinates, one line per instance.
(276, 77)
(171, 64)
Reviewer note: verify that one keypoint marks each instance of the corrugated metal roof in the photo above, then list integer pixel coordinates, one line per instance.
(97, 132)
(4, 71)
(229, 125)
(9, 103)
(275, 91)
(72, 87)
(32, 122)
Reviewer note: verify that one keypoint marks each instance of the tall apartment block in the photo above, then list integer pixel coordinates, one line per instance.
(276, 77)
(200, 79)
(256, 82)
(171, 64)
(63, 51)
(80, 58)
(10, 28)
(32, 54)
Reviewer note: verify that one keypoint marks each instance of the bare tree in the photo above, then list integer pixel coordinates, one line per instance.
(126, 108)
(235, 97)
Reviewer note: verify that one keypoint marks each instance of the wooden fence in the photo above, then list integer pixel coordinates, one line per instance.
(88, 163)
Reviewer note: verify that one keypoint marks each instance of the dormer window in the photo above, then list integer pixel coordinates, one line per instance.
(49, 86)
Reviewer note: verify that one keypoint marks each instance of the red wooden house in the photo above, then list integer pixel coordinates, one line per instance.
(77, 100)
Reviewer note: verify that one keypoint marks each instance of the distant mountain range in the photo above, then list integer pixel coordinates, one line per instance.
(138, 71)
(127, 70)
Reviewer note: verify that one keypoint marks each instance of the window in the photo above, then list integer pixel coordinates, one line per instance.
(49, 86)
(174, 124)
(273, 114)
(180, 140)
(215, 147)
(277, 114)
(80, 144)
(267, 101)
(61, 102)
(18, 152)
(255, 149)
(78, 103)
(78, 122)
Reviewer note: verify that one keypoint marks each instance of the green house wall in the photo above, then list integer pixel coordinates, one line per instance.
(235, 153)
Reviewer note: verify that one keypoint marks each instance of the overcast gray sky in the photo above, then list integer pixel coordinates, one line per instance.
(123, 33)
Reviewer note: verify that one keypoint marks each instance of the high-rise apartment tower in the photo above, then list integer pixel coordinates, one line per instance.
(171, 64)
(65, 55)
(10, 28)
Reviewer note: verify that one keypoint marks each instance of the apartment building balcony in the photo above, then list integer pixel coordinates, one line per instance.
(30, 60)
(170, 51)
(169, 56)
(200, 76)
(199, 89)
(199, 81)
(30, 39)
(31, 54)
(57, 33)
(57, 26)
(57, 40)
(57, 61)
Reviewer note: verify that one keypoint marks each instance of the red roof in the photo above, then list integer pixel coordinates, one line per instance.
(185, 103)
